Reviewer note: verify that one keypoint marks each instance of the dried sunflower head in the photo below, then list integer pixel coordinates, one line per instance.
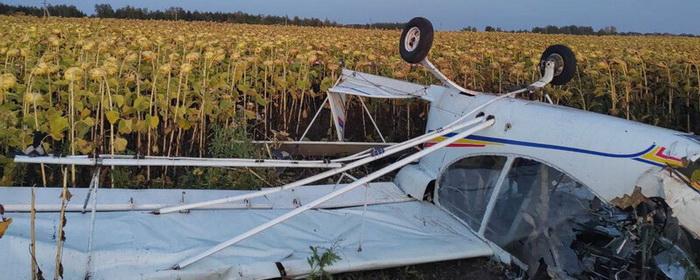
(7, 81)
(73, 74)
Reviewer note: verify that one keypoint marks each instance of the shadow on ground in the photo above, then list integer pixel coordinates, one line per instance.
(477, 268)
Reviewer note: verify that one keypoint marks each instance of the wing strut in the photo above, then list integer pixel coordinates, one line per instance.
(481, 125)
(372, 156)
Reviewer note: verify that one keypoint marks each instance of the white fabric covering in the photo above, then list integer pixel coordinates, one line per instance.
(139, 245)
(368, 85)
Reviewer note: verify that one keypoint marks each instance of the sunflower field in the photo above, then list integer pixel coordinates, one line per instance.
(161, 87)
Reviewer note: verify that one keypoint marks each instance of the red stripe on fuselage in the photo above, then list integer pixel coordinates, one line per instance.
(661, 154)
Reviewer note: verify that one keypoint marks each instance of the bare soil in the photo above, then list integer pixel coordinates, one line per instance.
(477, 268)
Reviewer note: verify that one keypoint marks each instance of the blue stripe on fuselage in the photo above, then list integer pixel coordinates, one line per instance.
(554, 147)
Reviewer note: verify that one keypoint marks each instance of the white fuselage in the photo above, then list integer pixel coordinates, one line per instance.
(608, 154)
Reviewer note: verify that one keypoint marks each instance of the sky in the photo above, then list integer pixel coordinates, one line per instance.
(673, 16)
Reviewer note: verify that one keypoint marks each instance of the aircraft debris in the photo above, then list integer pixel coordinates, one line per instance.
(638, 238)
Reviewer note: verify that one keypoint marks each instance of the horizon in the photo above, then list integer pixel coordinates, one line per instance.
(642, 16)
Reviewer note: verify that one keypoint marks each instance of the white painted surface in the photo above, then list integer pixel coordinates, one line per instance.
(139, 245)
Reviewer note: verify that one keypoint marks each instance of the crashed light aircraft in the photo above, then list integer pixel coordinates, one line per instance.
(545, 188)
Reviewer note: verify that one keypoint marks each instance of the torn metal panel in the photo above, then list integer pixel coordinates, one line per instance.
(681, 197)
(565, 231)
(630, 200)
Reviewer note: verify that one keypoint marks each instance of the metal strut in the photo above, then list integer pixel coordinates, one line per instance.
(396, 165)
(371, 119)
(91, 238)
(359, 162)
(109, 160)
(370, 155)
(313, 119)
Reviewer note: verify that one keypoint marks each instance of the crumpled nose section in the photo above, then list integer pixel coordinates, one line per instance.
(696, 157)
(689, 171)
(695, 178)
(692, 173)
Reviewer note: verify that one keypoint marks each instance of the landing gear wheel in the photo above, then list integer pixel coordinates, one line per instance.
(416, 40)
(564, 63)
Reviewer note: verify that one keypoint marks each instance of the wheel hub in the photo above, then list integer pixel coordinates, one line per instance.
(412, 39)
(558, 63)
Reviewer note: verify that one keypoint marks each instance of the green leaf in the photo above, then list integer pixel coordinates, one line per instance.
(84, 147)
(184, 124)
(125, 126)
(57, 125)
(141, 104)
(140, 126)
(326, 83)
(120, 144)
(303, 84)
(250, 115)
(119, 100)
(260, 100)
(112, 116)
(243, 87)
(89, 121)
(153, 121)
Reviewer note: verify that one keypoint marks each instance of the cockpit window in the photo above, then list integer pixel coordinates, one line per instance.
(534, 199)
(532, 211)
(551, 222)
(465, 187)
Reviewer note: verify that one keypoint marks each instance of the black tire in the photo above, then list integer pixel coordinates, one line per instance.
(414, 52)
(565, 67)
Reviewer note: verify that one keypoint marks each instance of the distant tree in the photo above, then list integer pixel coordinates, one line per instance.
(489, 28)
(131, 13)
(175, 13)
(569, 29)
(608, 30)
(54, 10)
(104, 11)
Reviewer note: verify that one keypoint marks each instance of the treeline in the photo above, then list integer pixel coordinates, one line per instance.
(377, 25)
(176, 13)
(53, 10)
(576, 30)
